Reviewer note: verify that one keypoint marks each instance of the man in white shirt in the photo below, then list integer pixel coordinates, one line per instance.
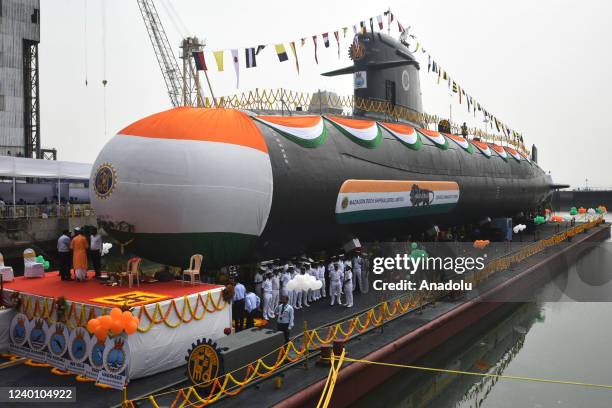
(251, 305)
(238, 306)
(95, 250)
(285, 314)
(275, 287)
(322, 277)
(357, 268)
(63, 251)
(348, 286)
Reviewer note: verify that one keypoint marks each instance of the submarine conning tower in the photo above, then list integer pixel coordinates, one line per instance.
(384, 71)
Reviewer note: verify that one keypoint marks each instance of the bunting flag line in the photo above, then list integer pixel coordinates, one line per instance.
(337, 35)
(219, 59)
(236, 66)
(379, 19)
(200, 62)
(297, 63)
(281, 52)
(326, 40)
(314, 40)
(249, 56)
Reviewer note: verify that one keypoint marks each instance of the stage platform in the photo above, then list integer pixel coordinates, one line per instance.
(96, 292)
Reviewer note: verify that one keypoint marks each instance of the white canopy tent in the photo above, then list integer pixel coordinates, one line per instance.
(19, 167)
(16, 167)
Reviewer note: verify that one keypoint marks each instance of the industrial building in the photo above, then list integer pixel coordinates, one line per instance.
(19, 73)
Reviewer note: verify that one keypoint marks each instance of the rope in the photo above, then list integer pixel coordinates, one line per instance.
(498, 376)
(330, 384)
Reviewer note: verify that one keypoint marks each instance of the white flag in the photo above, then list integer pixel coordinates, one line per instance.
(236, 66)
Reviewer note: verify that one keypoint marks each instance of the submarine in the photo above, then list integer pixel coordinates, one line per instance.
(247, 185)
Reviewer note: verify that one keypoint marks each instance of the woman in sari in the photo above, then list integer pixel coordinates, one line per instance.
(79, 256)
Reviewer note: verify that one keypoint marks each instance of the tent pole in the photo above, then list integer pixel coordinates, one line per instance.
(59, 198)
(14, 197)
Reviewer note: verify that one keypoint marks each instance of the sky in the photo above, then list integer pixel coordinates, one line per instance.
(542, 67)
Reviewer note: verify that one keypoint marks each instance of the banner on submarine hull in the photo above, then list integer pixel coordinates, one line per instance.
(378, 200)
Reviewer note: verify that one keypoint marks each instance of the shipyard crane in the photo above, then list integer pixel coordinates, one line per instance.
(183, 85)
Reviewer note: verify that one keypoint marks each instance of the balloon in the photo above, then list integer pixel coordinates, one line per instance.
(115, 313)
(100, 333)
(116, 327)
(131, 327)
(106, 321)
(92, 325)
(126, 317)
(137, 320)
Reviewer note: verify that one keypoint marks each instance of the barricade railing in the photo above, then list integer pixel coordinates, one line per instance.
(9, 211)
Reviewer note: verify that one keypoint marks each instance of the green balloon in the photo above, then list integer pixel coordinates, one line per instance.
(573, 211)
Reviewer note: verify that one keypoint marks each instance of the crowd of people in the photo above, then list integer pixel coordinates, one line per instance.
(274, 298)
(76, 250)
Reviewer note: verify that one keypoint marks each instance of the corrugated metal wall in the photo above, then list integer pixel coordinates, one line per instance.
(15, 26)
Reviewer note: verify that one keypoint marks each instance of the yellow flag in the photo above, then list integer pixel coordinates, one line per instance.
(219, 59)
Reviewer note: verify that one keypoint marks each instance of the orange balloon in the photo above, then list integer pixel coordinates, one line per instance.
(106, 321)
(101, 333)
(116, 327)
(137, 320)
(115, 313)
(126, 317)
(131, 327)
(92, 325)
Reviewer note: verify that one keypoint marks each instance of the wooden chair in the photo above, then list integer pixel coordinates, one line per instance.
(133, 271)
(6, 271)
(31, 268)
(195, 264)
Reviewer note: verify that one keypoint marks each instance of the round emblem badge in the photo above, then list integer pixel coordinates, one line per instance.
(345, 203)
(203, 363)
(405, 80)
(96, 353)
(58, 339)
(115, 355)
(38, 334)
(78, 344)
(357, 51)
(20, 329)
(105, 180)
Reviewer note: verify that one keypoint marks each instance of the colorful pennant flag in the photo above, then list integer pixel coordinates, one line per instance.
(259, 48)
(249, 56)
(326, 40)
(297, 63)
(303, 41)
(219, 59)
(337, 35)
(372, 25)
(362, 25)
(314, 40)
(236, 66)
(344, 31)
(200, 62)
(379, 19)
(281, 52)
(400, 27)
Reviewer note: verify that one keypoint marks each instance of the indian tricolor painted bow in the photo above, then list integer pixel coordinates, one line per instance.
(436, 137)
(307, 131)
(499, 150)
(483, 147)
(513, 153)
(461, 141)
(367, 133)
(407, 135)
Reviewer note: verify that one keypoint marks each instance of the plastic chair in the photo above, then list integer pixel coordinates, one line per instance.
(195, 264)
(133, 271)
(31, 268)
(6, 271)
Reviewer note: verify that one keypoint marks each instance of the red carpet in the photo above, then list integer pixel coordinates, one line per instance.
(51, 286)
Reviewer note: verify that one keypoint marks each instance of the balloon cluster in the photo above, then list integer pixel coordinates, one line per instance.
(573, 211)
(304, 282)
(114, 323)
(601, 209)
(582, 210)
(518, 228)
(481, 243)
(41, 260)
(557, 218)
(538, 220)
(591, 211)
